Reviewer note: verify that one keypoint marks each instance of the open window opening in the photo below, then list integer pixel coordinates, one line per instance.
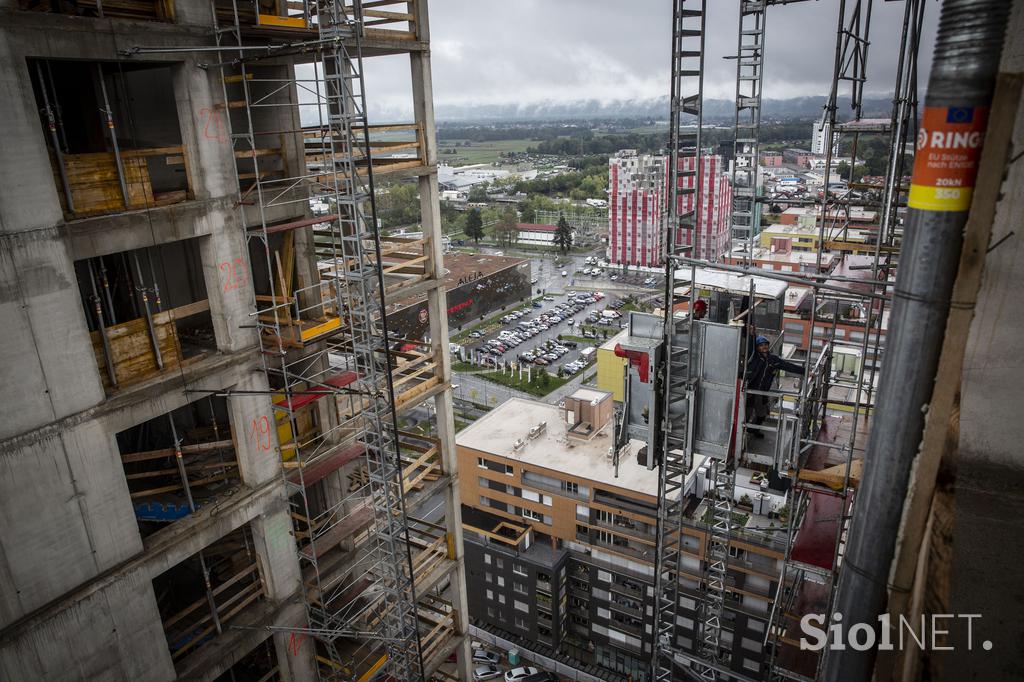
(146, 310)
(113, 135)
(139, 10)
(208, 592)
(259, 665)
(179, 462)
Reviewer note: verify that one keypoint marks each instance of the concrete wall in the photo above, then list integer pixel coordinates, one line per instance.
(76, 596)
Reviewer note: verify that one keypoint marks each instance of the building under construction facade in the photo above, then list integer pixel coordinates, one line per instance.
(203, 470)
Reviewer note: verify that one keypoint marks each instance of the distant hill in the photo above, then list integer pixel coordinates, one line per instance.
(715, 110)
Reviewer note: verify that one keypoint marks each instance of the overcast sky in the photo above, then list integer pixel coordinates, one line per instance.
(532, 51)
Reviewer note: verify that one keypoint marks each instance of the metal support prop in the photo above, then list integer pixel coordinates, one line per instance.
(98, 309)
(967, 52)
(52, 127)
(109, 113)
(148, 313)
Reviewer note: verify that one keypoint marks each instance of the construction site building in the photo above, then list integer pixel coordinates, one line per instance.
(162, 512)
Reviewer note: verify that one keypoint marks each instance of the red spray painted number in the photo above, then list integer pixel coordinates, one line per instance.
(295, 643)
(259, 432)
(233, 273)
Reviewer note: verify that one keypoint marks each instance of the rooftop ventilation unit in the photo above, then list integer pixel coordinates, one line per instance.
(537, 430)
(518, 445)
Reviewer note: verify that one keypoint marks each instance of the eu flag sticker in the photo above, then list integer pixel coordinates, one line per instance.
(959, 114)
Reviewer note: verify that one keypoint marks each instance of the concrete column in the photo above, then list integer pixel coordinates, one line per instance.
(430, 217)
(210, 155)
(254, 431)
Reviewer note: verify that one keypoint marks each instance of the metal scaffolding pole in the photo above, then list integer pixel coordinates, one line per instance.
(967, 53)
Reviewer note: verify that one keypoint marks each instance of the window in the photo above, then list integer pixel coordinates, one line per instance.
(508, 470)
(481, 462)
(501, 599)
(489, 577)
(603, 613)
(500, 563)
(492, 612)
(487, 558)
(755, 625)
(582, 530)
(490, 594)
(571, 487)
(545, 500)
(750, 644)
(521, 623)
(530, 514)
(519, 587)
(751, 665)
(531, 495)
(518, 569)
(501, 581)
(520, 606)
(604, 576)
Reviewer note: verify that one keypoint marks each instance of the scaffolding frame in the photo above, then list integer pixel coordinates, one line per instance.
(328, 339)
(675, 447)
(796, 417)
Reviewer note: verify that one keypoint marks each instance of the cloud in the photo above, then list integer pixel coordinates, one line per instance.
(535, 51)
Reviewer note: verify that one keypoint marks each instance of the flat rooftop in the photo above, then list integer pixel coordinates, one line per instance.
(463, 268)
(499, 429)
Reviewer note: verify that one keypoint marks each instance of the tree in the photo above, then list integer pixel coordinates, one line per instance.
(545, 378)
(474, 226)
(563, 235)
(478, 193)
(507, 230)
(527, 213)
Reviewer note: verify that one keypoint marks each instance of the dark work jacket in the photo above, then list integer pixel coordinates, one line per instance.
(761, 370)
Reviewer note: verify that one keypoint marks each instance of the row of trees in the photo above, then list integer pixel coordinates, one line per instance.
(506, 229)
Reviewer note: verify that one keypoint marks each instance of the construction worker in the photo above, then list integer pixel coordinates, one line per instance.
(700, 309)
(762, 367)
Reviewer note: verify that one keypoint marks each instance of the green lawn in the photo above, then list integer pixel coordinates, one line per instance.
(537, 387)
(479, 152)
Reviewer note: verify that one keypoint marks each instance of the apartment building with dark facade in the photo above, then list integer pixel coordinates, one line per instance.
(560, 547)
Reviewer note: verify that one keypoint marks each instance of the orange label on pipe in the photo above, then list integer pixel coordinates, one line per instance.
(946, 161)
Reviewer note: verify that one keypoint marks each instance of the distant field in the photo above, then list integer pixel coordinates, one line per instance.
(479, 152)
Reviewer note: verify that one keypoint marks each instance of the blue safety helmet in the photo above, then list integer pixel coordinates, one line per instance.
(759, 340)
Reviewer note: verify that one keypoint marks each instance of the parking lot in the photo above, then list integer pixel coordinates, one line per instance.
(531, 335)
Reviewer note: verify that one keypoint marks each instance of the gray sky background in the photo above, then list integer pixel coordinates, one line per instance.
(534, 51)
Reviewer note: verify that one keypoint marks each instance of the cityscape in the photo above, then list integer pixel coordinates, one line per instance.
(403, 340)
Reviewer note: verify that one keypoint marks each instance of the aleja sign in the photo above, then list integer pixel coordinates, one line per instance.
(946, 163)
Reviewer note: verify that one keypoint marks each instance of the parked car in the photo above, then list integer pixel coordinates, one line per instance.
(517, 674)
(486, 672)
(570, 344)
(528, 357)
(537, 304)
(485, 656)
(540, 677)
(549, 298)
(475, 335)
(542, 362)
(565, 273)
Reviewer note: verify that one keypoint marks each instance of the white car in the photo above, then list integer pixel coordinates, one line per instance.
(565, 273)
(519, 673)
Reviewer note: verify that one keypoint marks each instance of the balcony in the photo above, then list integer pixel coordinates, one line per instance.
(146, 311)
(113, 135)
(630, 590)
(202, 596)
(179, 463)
(622, 546)
(384, 22)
